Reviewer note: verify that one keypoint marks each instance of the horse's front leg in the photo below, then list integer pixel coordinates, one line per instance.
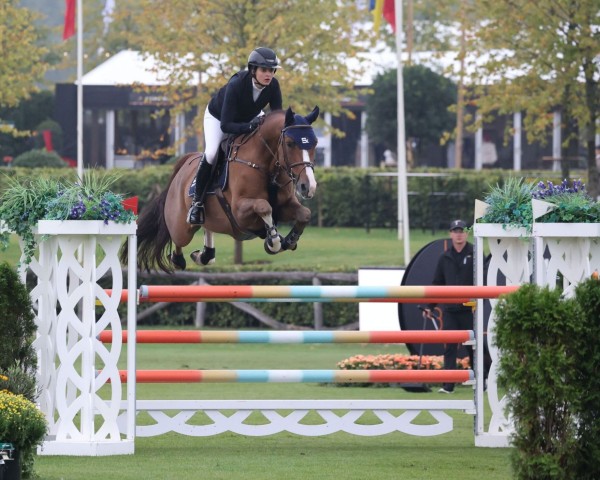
(262, 208)
(302, 218)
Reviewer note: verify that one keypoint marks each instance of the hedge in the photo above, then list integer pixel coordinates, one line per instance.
(349, 197)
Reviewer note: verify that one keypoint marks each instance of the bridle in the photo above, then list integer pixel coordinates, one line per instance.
(280, 166)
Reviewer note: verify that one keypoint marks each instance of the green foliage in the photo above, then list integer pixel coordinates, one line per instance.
(230, 30)
(510, 204)
(22, 64)
(545, 54)
(16, 324)
(39, 158)
(573, 204)
(587, 359)
(427, 98)
(24, 203)
(535, 367)
(22, 424)
(548, 365)
(26, 117)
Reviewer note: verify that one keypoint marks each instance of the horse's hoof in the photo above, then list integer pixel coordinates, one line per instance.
(273, 245)
(288, 246)
(206, 257)
(178, 261)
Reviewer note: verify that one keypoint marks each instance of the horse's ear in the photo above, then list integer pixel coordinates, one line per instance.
(289, 117)
(312, 116)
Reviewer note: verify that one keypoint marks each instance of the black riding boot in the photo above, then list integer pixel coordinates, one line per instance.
(203, 176)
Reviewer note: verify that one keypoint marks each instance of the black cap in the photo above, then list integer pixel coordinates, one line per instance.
(457, 224)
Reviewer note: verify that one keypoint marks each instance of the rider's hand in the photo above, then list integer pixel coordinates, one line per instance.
(254, 124)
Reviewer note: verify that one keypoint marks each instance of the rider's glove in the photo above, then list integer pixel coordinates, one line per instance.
(253, 125)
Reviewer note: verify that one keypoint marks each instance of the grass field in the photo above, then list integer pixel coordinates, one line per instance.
(323, 249)
(285, 456)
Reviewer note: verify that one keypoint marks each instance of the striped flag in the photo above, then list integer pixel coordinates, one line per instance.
(385, 9)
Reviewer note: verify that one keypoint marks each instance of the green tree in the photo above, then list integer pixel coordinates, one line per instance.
(317, 42)
(427, 98)
(22, 57)
(537, 57)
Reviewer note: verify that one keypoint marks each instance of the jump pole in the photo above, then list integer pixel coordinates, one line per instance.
(313, 292)
(300, 376)
(260, 336)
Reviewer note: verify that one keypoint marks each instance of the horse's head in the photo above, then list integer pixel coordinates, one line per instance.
(299, 144)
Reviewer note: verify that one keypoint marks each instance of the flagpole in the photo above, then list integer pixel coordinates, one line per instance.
(79, 13)
(403, 226)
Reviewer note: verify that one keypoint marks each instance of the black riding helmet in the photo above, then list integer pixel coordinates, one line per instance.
(263, 57)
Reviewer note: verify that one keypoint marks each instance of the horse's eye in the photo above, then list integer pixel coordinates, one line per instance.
(290, 143)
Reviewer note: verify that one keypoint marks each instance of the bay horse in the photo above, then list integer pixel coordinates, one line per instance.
(266, 171)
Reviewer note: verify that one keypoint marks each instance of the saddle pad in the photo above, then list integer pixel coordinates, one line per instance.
(220, 180)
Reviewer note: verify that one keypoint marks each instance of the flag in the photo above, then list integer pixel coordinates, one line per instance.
(109, 7)
(385, 9)
(389, 13)
(376, 7)
(69, 29)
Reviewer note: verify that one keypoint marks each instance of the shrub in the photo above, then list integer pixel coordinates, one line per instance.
(39, 158)
(535, 333)
(587, 360)
(17, 326)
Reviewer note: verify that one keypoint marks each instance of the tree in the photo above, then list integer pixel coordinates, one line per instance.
(547, 60)
(427, 98)
(202, 43)
(21, 55)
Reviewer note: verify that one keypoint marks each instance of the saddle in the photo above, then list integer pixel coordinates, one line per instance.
(221, 170)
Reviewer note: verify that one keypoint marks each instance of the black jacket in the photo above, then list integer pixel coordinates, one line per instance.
(235, 107)
(455, 268)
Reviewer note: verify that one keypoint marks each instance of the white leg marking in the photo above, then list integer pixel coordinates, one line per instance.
(209, 239)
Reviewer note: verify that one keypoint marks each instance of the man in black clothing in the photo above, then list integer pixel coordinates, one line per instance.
(455, 267)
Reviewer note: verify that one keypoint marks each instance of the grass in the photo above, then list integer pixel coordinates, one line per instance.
(323, 249)
(284, 455)
(337, 456)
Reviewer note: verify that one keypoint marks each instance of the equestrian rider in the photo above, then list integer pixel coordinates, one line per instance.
(235, 109)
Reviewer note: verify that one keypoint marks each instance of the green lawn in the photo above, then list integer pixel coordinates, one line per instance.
(285, 455)
(323, 249)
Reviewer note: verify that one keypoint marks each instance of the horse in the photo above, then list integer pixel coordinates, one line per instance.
(266, 171)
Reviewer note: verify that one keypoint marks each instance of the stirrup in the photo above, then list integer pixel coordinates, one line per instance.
(196, 214)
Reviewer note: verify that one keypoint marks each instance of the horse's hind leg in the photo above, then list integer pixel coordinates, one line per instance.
(208, 254)
(177, 259)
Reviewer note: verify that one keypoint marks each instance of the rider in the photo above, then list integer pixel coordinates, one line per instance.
(235, 109)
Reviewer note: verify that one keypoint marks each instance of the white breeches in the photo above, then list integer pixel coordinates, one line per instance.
(213, 136)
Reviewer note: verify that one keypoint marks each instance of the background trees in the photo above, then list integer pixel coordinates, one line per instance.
(538, 57)
(317, 42)
(427, 98)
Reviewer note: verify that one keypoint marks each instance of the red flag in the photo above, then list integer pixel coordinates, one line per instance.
(69, 29)
(47, 134)
(389, 13)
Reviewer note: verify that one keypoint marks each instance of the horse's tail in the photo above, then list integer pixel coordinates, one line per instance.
(153, 236)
